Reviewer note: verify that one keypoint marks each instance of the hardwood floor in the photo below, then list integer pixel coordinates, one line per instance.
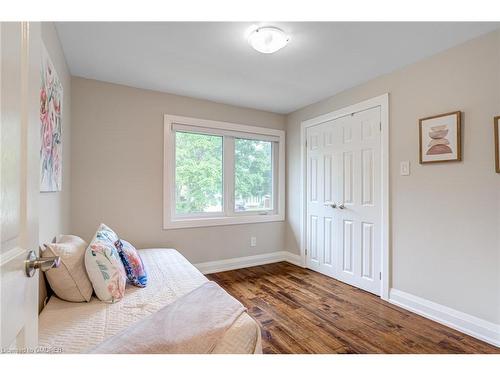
(302, 311)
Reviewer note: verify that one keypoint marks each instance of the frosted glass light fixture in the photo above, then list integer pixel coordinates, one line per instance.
(268, 39)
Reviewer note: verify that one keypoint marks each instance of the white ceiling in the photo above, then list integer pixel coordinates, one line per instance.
(214, 61)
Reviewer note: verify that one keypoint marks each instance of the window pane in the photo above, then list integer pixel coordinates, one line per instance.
(198, 173)
(253, 175)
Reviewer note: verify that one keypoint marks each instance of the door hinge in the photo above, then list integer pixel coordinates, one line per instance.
(306, 252)
(380, 126)
(380, 275)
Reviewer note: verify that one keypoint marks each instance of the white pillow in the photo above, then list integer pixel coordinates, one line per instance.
(104, 267)
(70, 281)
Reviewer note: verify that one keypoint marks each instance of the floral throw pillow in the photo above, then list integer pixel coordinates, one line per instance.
(132, 262)
(104, 266)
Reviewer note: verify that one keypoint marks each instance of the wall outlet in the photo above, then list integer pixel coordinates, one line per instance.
(253, 241)
(404, 168)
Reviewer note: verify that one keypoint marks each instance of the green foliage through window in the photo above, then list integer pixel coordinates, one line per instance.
(198, 173)
(253, 175)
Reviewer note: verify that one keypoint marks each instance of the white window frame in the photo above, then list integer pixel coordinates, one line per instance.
(229, 216)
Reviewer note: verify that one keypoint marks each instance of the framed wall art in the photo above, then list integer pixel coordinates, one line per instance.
(496, 125)
(440, 138)
(51, 98)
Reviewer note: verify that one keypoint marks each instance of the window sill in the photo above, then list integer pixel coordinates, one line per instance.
(223, 220)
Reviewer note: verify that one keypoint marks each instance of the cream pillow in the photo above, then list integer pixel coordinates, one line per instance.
(70, 281)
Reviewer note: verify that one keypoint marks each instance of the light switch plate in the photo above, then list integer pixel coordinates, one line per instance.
(404, 168)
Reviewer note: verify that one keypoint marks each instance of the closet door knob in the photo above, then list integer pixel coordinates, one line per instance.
(331, 204)
(341, 206)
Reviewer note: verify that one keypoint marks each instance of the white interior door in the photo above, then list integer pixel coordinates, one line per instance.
(20, 85)
(344, 212)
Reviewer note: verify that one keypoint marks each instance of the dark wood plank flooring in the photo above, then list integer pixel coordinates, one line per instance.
(302, 311)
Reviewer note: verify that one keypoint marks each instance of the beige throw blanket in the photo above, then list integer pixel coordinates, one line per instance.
(193, 323)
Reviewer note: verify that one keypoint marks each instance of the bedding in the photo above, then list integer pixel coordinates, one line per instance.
(69, 281)
(193, 323)
(79, 327)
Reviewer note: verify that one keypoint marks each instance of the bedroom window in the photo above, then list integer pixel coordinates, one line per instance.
(253, 180)
(198, 173)
(218, 173)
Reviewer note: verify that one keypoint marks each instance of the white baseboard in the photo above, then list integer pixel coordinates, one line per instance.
(293, 258)
(250, 261)
(468, 324)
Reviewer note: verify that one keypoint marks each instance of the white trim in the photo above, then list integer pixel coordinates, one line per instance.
(249, 261)
(468, 324)
(223, 132)
(386, 218)
(381, 101)
(230, 217)
(292, 258)
(197, 222)
(240, 128)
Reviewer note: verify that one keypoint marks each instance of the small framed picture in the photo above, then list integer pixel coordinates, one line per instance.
(440, 138)
(496, 125)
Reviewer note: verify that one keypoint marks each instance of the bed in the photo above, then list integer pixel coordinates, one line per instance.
(69, 327)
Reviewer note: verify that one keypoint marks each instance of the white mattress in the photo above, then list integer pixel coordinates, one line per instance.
(69, 327)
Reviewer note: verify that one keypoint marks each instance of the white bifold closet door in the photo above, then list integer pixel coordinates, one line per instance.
(344, 199)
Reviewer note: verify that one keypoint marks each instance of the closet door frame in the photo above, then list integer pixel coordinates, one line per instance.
(381, 101)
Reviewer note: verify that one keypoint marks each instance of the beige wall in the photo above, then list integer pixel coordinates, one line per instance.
(55, 206)
(117, 170)
(445, 217)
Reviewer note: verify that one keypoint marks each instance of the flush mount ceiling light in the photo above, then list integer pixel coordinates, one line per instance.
(268, 39)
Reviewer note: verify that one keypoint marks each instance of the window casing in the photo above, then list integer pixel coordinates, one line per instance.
(239, 156)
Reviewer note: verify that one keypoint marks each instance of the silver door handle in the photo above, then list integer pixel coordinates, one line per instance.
(32, 263)
(341, 206)
(331, 204)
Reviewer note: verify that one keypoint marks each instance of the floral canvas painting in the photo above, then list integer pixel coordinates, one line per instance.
(496, 125)
(440, 138)
(51, 98)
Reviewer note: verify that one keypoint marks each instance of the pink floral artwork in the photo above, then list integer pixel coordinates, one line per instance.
(51, 98)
